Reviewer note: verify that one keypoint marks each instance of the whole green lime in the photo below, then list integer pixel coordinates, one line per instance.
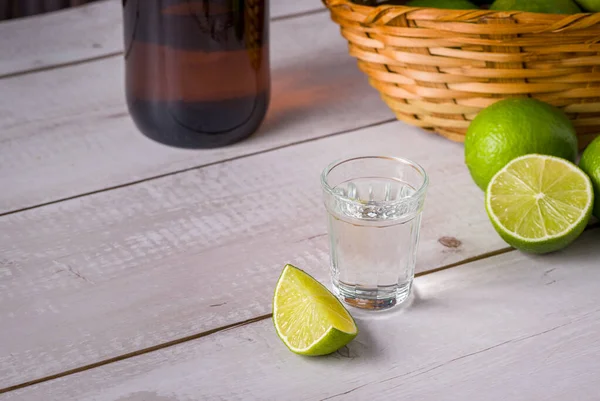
(537, 6)
(515, 127)
(590, 5)
(590, 164)
(445, 4)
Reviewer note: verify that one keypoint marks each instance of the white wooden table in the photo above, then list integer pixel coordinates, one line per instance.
(135, 272)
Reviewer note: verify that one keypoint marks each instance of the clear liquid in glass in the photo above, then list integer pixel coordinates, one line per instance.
(373, 245)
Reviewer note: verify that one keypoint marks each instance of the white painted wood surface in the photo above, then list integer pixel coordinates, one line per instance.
(67, 36)
(66, 131)
(83, 33)
(103, 275)
(112, 273)
(511, 327)
(284, 8)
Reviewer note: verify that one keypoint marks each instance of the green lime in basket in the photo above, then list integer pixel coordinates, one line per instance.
(308, 318)
(590, 164)
(515, 127)
(539, 203)
(537, 6)
(445, 4)
(590, 5)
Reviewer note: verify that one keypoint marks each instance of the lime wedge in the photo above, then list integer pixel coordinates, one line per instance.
(308, 318)
(539, 203)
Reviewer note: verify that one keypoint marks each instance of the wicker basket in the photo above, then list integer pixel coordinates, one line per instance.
(437, 69)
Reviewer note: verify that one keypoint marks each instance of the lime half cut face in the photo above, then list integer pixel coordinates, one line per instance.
(308, 318)
(539, 203)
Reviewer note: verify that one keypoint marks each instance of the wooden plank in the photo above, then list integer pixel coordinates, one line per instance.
(66, 132)
(512, 327)
(25, 8)
(111, 273)
(67, 36)
(285, 8)
(87, 32)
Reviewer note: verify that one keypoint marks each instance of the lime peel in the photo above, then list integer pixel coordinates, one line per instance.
(590, 164)
(515, 127)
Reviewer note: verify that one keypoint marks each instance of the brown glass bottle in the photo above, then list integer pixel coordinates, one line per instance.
(197, 71)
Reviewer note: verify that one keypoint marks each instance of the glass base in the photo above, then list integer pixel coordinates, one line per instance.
(372, 298)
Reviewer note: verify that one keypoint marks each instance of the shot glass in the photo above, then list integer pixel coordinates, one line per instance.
(374, 207)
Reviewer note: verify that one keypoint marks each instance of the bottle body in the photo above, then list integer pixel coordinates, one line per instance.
(197, 71)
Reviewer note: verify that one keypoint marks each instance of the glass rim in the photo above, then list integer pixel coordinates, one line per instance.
(417, 194)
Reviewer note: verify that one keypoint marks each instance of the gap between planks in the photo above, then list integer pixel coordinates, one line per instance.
(214, 331)
(502, 251)
(119, 53)
(184, 170)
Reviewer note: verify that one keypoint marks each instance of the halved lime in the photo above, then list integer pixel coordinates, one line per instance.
(308, 318)
(539, 203)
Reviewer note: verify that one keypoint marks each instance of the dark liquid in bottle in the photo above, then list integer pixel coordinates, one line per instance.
(197, 71)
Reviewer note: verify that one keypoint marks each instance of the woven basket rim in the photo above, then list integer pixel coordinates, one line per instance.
(376, 13)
